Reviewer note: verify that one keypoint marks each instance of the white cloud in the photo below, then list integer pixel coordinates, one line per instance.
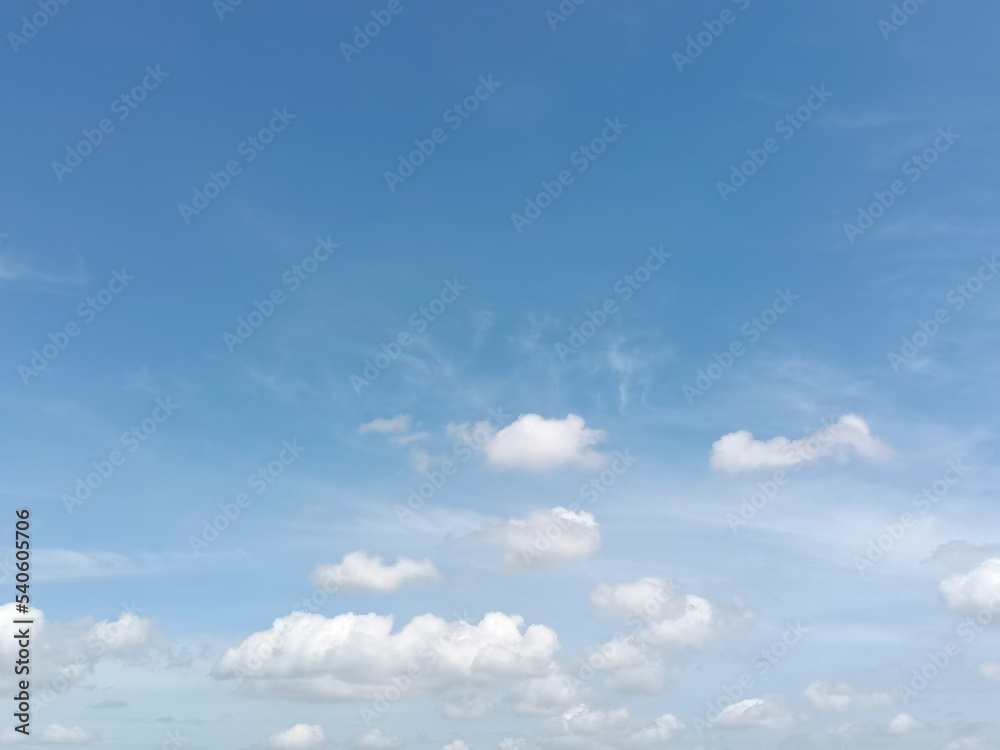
(299, 737)
(56, 734)
(959, 555)
(701, 623)
(903, 724)
(456, 745)
(671, 617)
(754, 712)
(128, 634)
(545, 538)
(399, 423)
(352, 656)
(661, 616)
(546, 696)
(359, 571)
(376, 739)
(990, 670)
(473, 701)
(534, 443)
(630, 666)
(582, 728)
(842, 696)
(739, 451)
(975, 591)
(651, 596)
(76, 648)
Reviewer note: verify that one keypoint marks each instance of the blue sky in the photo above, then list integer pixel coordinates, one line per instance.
(676, 255)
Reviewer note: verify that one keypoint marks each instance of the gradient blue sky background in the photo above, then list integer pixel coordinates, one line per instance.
(494, 347)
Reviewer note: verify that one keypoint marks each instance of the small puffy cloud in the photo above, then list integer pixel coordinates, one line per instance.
(299, 737)
(752, 713)
(671, 617)
(990, 670)
(129, 639)
(359, 571)
(903, 724)
(841, 696)
(546, 696)
(358, 657)
(740, 451)
(975, 591)
(701, 623)
(534, 443)
(399, 423)
(128, 634)
(582, 728)
(456, 745)
(630, 666)
(56, 734)
(376, 739)
(545, 538)
(960, 555)
(661, 616)
(650, 596)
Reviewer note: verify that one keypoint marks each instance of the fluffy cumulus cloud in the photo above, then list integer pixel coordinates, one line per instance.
(546, 696)
(582, 728)
(399, 423)
(630, 666)
(903, 724)
(701, 623)
(299, 737)
(665, 626)
(76, 648)
(376, 739)
(740, 451)
(960, 555)
(534, 443)
(646, 597)
(752, 713)
(670, 616)
(544, 538)
(976, 592)
(359, 571)
(358, 657)
(456, 745)
(841, 696)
